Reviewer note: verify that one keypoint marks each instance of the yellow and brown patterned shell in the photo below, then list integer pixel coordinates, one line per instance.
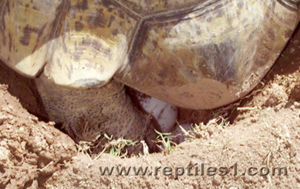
(207, 54)
(193, 53)
(73, 41)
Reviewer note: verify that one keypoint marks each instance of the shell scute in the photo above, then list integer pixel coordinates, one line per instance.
(90, 44)
(26, 26)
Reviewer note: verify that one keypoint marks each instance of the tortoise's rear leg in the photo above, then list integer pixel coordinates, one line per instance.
(88, 112)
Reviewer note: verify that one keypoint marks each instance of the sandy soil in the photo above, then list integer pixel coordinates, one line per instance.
(261, 135)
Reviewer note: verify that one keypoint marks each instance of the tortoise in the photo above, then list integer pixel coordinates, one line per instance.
(196, 54)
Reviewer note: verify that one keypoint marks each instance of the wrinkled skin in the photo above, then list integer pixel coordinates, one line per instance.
(197, 54)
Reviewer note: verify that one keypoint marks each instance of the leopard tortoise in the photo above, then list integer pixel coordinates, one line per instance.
(196, 54)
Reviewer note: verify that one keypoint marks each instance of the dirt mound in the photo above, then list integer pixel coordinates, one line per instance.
(256, 146)
(30, 151)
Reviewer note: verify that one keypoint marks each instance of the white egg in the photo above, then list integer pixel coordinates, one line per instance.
(165, 114)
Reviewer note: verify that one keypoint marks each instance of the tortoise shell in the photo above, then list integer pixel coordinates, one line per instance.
(197, 54)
